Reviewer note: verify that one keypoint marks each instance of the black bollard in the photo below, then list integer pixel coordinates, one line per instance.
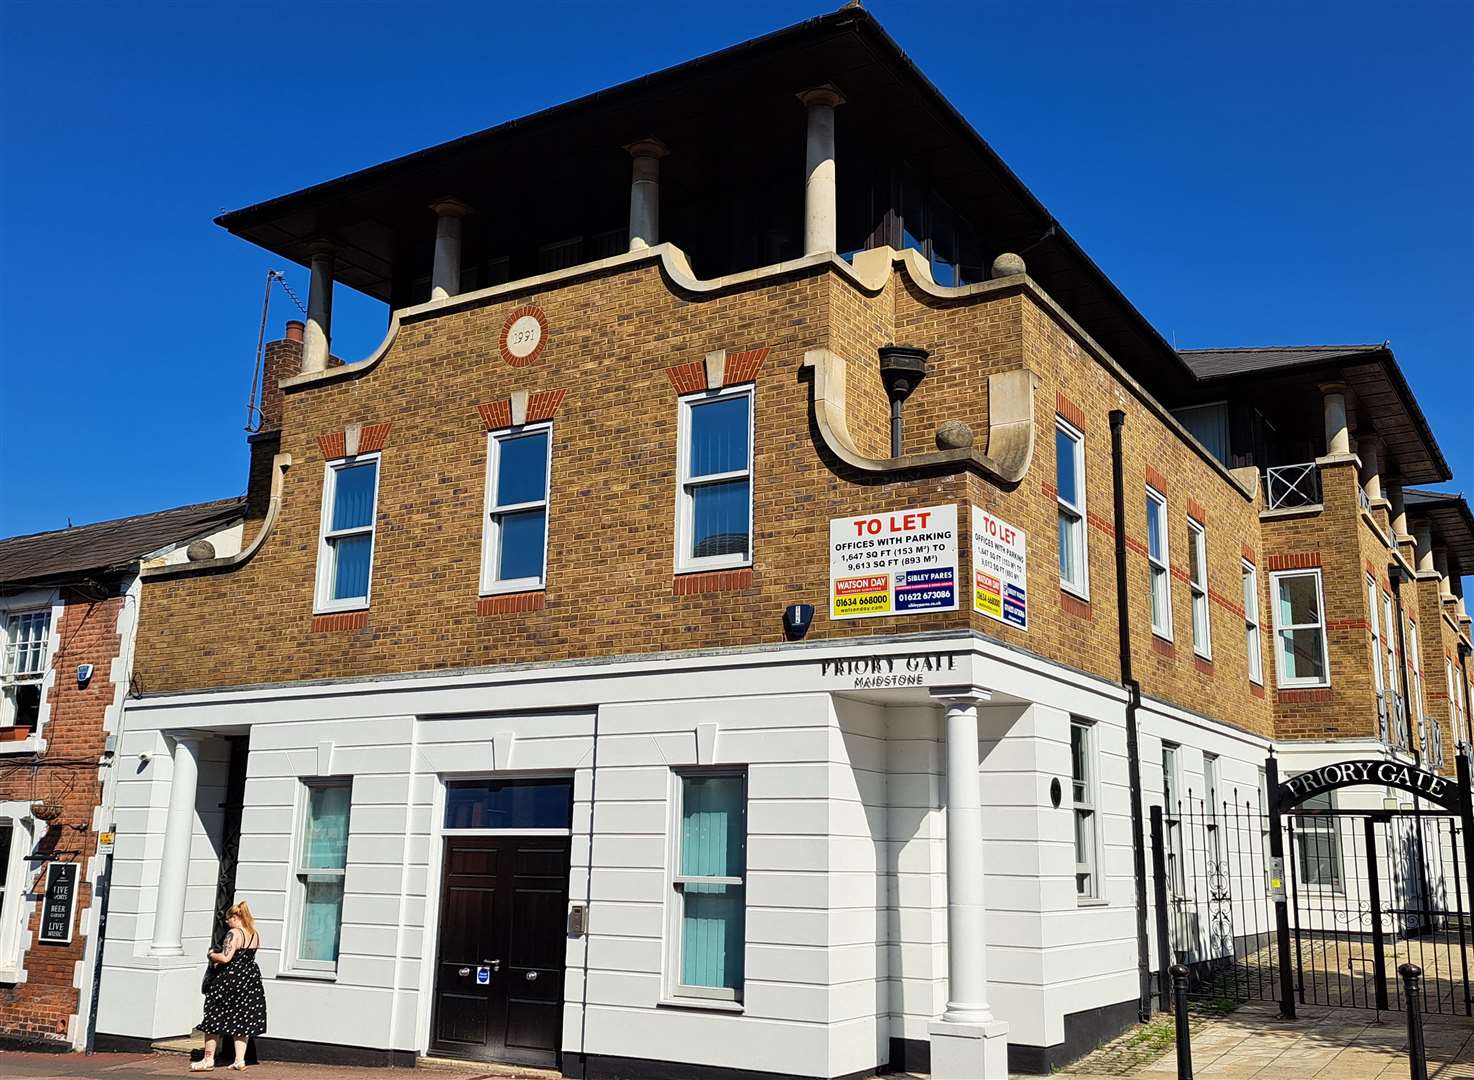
(1417, 1053)
(1179, 1007)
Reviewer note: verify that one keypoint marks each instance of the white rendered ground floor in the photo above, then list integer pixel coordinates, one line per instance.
(817, 861)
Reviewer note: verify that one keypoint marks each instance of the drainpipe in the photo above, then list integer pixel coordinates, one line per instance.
(1133, 703)
(902, 367)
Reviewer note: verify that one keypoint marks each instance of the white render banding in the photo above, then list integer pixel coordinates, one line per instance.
(178, 836)
(318, 335)
(445, 274)
(820, 213)
(645, 192)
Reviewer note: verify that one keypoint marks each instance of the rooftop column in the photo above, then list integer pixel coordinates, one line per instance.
(1369, 449)
(820, 213)
(967, 1041)
(178, 836)
(318, 335)
(1398, 513)
(1423, 537)
(445, 275)
(1440, 567)
(645, 192)
(1338, 437)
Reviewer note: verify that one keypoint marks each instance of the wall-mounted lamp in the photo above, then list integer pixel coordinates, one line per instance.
(797, 618)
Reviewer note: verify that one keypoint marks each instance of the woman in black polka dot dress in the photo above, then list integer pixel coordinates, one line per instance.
(235, 1004)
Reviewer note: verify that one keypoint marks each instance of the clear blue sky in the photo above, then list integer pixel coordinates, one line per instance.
(1247, 172)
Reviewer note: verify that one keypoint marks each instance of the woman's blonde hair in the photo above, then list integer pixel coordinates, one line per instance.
(242, 911)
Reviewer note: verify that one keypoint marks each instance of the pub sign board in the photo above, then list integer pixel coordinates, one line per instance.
(58, 903)
(1437, 789)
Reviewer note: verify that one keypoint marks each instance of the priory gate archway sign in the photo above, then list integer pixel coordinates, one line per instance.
(1364, 889)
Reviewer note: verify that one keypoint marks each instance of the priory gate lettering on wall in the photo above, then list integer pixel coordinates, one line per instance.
(1313, 890)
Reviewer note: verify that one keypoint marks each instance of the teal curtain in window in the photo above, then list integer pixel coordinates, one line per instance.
(321, 871)
(325, 844)
(713, 845)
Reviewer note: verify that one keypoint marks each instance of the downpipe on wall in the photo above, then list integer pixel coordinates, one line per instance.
(1133, 704)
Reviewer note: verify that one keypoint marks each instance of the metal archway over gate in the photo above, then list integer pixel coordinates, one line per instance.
(1300, 893)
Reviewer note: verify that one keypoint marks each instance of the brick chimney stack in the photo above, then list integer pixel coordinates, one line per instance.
(282, 358)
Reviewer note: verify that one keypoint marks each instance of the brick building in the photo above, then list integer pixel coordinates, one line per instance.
(68, 619)
(668, 645)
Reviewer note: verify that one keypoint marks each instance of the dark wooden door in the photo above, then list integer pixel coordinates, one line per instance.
(499, 973)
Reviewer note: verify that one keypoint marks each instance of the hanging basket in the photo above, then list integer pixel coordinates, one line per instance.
(46, 810)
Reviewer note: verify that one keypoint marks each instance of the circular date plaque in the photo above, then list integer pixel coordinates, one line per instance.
(523, 335)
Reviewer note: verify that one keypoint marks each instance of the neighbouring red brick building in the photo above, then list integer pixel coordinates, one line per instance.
(69, 603)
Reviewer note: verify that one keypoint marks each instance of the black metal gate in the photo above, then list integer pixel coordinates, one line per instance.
(1302, 902)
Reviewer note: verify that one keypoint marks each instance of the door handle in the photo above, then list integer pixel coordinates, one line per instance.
(532, 976)
(495, 965)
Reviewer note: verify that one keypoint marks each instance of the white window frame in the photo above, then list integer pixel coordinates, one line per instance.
(1159, 568)
(1323, 828)
(1397, 708)
(685, 499)
(491, 529)
(1377, 683)
(1253, 634)
(21, 883)
(1087, 810)
(291, 953)
(323, 601)
(1197, 538)
(1074, 514)
(719, 997)
(1415, 691)
(22, 604)
(1320, 606)
(1171, 819)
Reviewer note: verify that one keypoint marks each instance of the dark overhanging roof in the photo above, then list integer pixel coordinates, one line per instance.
(51, 557)
(827, 48)
(1452, 521)
(1371, 372)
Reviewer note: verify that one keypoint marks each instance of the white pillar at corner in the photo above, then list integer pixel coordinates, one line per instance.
(178, 837)
(1338, 434)
(820, 213)
(318, 335)
(445, 272)
(967, 1043)
(645, 192)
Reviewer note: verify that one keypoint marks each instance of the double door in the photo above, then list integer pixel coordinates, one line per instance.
(503, 928)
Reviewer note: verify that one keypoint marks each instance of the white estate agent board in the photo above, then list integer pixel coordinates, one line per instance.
(1000, 570)
(896, 563)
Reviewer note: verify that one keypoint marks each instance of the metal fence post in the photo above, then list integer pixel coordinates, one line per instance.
(1417, 1054)
(1179, 1007)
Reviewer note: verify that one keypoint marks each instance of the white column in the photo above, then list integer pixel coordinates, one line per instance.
(1397, 515)
(445, 273)
(645, 192)
(318, 336)
(1338, 436)
(1440, 566)
(1423, 539)
(1369, 449)
(178, 837)
(820, 213)
(967, 1042)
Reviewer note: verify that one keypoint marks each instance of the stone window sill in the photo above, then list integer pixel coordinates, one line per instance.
(33, 744)
(710, 1004)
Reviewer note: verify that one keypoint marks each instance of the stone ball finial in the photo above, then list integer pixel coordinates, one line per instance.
(954, 435)
(200, 551)
(1008, 264)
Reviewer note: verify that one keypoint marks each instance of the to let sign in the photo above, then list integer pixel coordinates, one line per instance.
(896, 563)
(59, 903)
